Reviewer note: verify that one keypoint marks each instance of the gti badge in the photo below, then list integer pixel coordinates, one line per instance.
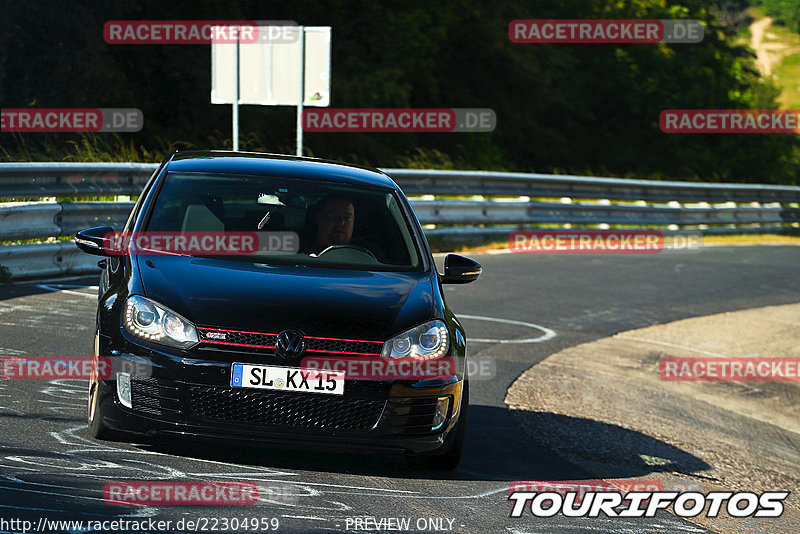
(290, 344)
(215, 335)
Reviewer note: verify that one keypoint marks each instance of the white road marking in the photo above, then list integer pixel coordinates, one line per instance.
(62, 464)
(95, 446)
(58, 280)
(548, 333)
(142, 512)
(476, 496)
(303, 483)
(69, 292)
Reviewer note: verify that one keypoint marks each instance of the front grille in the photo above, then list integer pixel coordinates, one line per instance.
(297, 410)
(154, 397)
(264, 341)
(238, 339)
(353, 346)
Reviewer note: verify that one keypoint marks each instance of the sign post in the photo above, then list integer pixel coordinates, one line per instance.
(236, 98)
(301, 93)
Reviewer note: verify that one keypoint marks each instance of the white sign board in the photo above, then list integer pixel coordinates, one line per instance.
(269, 69)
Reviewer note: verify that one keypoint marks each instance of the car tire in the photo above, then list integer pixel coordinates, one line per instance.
(97, 429)
(451, 457)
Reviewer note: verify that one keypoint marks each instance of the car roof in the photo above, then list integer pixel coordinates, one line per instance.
(255, 163)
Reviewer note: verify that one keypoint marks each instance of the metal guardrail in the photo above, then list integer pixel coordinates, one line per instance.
(460, 183)
(40, 220)
(745, 208)
(494, 212)
(38, 180)
(38, 260)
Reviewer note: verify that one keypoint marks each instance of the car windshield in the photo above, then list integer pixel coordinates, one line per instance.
(294, 221)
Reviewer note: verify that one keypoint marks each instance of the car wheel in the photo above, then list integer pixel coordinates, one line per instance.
(96, 427)
(450, 458)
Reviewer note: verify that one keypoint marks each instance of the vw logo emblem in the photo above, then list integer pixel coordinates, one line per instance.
(290, 344)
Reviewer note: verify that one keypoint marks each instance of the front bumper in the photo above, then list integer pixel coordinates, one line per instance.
(188, 396)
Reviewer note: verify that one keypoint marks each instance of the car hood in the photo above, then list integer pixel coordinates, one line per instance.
(268, 298)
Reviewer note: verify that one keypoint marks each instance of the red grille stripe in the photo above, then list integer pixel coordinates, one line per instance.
(238, 344)
(343, 352)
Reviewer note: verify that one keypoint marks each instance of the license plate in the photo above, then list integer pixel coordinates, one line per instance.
(245, 375)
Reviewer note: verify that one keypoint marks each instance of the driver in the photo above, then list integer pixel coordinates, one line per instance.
(335, 219)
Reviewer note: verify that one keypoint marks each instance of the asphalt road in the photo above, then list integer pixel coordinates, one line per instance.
(50, 468)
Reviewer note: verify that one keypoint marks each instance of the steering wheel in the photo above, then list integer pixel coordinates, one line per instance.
(363, 250)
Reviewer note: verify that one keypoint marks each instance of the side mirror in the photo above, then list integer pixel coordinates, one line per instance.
(93, 240)
(460, 270)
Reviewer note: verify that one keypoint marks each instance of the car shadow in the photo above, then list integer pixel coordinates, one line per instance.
(501, 446)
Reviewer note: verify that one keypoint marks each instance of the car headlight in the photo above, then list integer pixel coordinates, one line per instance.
(424, 342)
(151, 321)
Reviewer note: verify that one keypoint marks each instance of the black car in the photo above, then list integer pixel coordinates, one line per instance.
(211, 344)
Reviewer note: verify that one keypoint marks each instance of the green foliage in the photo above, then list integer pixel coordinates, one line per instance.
(576, 108)
(95, 147)
(784, 12)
